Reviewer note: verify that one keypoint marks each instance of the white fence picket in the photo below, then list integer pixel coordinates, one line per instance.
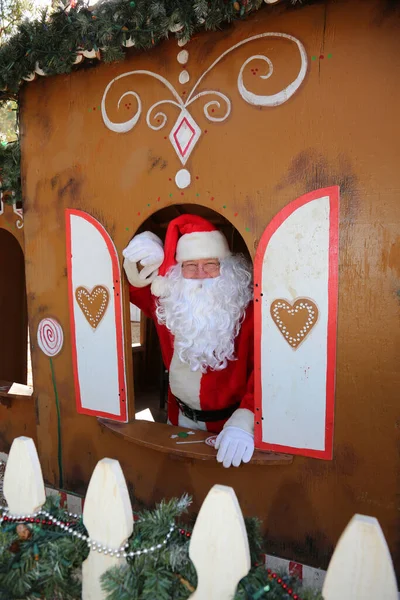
(361, 566)
(108, 518)
(219, 547)
(23, 486)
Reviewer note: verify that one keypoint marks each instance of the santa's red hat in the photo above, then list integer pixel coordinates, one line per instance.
(189, 237)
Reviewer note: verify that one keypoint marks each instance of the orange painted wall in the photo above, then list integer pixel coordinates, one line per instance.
(340, 128)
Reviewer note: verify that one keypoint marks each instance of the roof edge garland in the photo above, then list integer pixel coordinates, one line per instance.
(57, 42)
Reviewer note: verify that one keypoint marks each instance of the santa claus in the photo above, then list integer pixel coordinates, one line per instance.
(200, 298)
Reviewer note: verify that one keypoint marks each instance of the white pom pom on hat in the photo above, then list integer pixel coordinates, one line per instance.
(189, 237)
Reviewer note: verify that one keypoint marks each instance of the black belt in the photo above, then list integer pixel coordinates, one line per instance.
(206, 415)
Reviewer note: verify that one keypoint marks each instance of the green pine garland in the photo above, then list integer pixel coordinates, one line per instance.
(47, 564)
(43, 566)
(53, 41)
(10, 172)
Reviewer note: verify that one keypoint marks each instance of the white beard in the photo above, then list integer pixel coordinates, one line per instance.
(205, 315)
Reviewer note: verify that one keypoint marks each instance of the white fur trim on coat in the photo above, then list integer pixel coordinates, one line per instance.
(158, 286)
(202, 244)
(184, 383)
(133, 275)
(242, 418)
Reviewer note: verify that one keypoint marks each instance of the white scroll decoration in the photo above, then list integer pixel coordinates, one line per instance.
(19, 223)
(185, 133)
(18, 211)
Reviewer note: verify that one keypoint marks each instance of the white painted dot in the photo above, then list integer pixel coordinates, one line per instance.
(184, 77)
(183, 179)
(182, 42)
(183, 57)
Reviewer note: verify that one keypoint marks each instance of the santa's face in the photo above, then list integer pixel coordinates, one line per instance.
(205, 313)
(204, 268)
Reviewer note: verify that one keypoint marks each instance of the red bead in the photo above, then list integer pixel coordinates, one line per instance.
(32, 520)
(273, 575)
(188, 534)
(295, 597)
(290, 591)
(284, 586)
(269, 571)
(5, 518)
(37, 521)
(279, 580)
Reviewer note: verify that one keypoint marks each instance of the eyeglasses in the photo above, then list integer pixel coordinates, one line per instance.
(210, 268)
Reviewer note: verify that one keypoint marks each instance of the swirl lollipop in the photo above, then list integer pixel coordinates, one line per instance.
(50, 339)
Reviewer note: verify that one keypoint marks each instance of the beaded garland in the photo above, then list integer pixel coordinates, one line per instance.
(284, 585)
(119, 552)
(93, 545)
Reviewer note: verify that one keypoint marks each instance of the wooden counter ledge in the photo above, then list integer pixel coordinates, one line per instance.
(10, 391)
(158, 437)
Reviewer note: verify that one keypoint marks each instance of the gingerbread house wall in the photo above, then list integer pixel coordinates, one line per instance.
(339, 128)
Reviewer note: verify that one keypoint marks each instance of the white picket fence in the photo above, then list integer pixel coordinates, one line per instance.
(360, 568)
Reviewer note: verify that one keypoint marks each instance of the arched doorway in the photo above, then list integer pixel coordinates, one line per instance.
(150, 375)
(13, 311)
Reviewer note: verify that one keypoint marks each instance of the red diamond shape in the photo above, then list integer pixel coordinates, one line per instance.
(184, 149)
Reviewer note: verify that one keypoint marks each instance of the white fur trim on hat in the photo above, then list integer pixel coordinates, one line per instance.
(202, 244)
(242, 418)
(158, 286)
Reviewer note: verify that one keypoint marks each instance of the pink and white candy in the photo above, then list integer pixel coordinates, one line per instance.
(50, 336)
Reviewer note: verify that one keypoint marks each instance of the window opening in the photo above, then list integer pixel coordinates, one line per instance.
(13, 311)
(150, 375)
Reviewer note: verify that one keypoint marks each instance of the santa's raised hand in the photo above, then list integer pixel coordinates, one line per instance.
(145, 249)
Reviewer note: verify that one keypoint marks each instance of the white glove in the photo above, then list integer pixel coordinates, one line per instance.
(146, 248)
(234, 446)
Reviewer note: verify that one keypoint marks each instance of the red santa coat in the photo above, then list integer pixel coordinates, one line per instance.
(213, 390)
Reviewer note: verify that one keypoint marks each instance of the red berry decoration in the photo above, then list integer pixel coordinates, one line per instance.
(273, 575)
(279, 580)
(290, 591)
(269, 571)
(284, 586)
